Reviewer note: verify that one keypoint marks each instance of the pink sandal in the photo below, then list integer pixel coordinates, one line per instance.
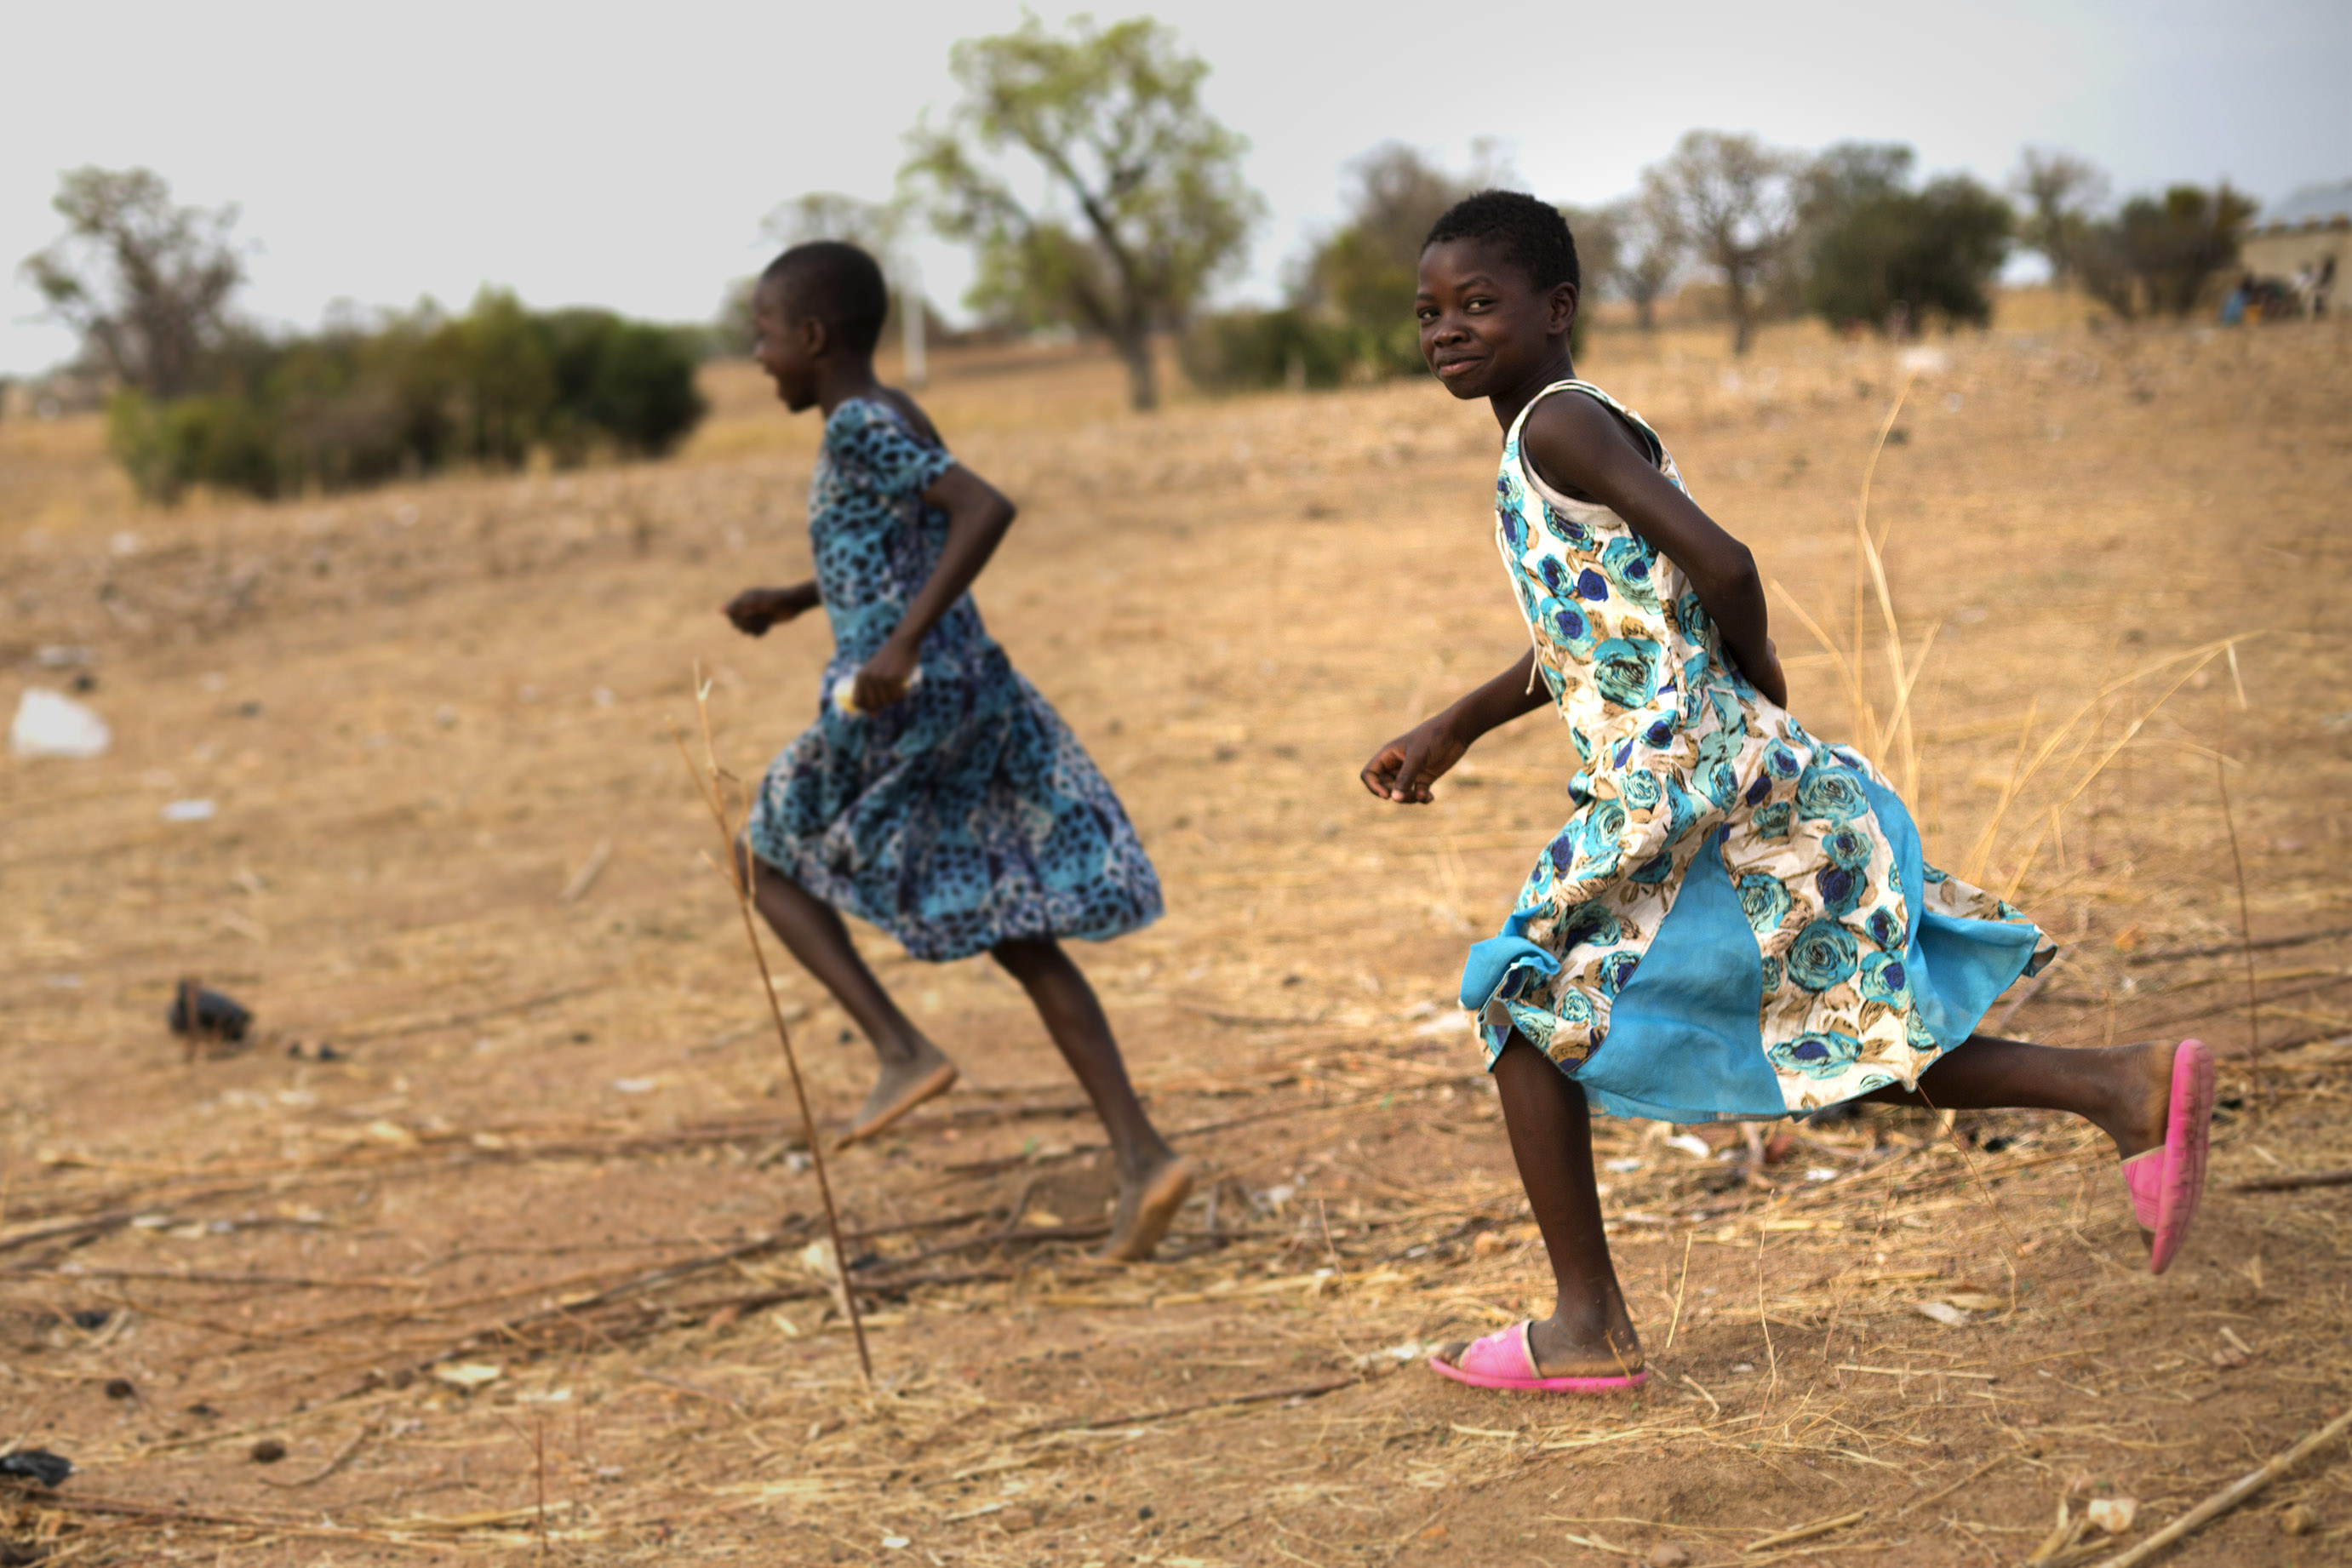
(2166, 1182)
(1505, 1360)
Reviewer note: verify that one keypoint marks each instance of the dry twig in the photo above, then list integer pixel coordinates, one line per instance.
(710, 782)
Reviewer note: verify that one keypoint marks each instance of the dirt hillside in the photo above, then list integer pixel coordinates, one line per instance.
(496, 1229)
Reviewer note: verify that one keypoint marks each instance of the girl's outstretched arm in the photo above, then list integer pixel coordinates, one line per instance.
(1582, 448)
(1403, 770)
(978, 515)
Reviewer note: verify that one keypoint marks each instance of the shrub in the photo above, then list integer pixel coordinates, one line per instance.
(2162, 254)
(1240, 350)
(356, 405)
(1911, 255)
(213, 439)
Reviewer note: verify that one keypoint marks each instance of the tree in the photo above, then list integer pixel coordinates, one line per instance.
(1730, 199)
(2157, 254)
(146, 283)
(875, 227)
(1876, 252)
(1113, 117)
(1649, 251)
(1600, 234)
(2061, 191)
(1363, 275)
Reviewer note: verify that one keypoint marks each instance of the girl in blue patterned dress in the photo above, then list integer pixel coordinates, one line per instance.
(1738, 922)
(936, 796)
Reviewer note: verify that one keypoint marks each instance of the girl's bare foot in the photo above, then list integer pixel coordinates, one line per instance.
(903, 1086)
(1608, 1348)
(1148, 1203)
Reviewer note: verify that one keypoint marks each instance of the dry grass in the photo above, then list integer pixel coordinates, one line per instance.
(518, 1271)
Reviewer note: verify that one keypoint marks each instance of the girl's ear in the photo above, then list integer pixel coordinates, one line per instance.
(815, 338)
(1562, 314)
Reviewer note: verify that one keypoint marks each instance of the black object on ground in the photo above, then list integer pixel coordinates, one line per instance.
(201, 1014)
(37, 1465)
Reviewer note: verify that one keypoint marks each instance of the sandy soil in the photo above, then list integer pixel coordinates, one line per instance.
(498, 1227)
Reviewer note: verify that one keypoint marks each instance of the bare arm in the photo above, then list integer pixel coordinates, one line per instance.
(754, 610)
(1403, 770)
(978, 515)
(1580, 448)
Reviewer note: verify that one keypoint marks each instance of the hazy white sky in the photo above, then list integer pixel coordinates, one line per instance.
(625, 155)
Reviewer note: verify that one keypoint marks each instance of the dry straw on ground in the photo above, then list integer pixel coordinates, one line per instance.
(496, 1232)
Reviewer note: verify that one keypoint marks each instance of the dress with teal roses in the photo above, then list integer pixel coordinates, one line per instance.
(1737, 920)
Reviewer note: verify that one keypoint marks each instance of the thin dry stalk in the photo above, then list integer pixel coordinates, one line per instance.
(1764, 1318)
(710, 782)
(2131, 732)
(1689, 1236)
(1973, 869)
(2258, 1088)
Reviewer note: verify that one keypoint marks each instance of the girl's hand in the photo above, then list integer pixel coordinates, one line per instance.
(1403, 770)
(754, 610)
(883, 678)
(1769, 678)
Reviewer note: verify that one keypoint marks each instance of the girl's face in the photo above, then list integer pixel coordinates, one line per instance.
(787, 349)
(1486, 330)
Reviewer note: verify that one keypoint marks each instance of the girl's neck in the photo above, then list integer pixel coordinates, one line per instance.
(1553, 369)
(845, 383)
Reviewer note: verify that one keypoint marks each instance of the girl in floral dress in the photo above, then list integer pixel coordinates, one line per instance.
(1736, 922)
(938, 794)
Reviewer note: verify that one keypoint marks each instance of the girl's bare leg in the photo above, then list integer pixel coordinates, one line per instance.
(1153, 1181)
(2124, 1090)
(1589, 1333)
(913, 1068)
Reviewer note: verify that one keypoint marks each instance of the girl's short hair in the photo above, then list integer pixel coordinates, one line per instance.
(838, 284)
(1528, 234)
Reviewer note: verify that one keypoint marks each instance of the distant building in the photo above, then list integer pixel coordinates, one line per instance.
(2304, 230)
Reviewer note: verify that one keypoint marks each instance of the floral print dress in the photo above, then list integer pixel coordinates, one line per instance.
(966, 813)
(1737, 920)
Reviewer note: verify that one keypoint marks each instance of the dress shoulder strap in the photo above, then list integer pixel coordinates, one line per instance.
(1632, 421)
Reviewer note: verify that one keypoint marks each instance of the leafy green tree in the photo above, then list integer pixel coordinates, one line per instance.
(1732, 200)
(146, 283)
(1877, 252)
(2059, 192)
(2159, 253)
(1113, 118)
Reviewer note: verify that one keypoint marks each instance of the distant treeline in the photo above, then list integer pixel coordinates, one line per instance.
(206, 397)
(1851, 235)
(413, 393)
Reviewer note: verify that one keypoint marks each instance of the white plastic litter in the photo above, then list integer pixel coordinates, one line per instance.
(190, 811)
(51, 725)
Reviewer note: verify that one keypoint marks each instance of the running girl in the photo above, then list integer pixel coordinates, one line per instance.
(936, 796)
(1736, 922)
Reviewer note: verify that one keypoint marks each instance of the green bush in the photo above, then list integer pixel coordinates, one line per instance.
(418, 392)
(2163, 254)
(1242, 350)
(219, 440)
(1878, 251)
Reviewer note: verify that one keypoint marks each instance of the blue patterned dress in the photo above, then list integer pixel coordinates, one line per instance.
(1737, 921)
(967, 814)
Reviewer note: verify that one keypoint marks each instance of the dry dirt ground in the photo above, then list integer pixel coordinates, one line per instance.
(497, 1229)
